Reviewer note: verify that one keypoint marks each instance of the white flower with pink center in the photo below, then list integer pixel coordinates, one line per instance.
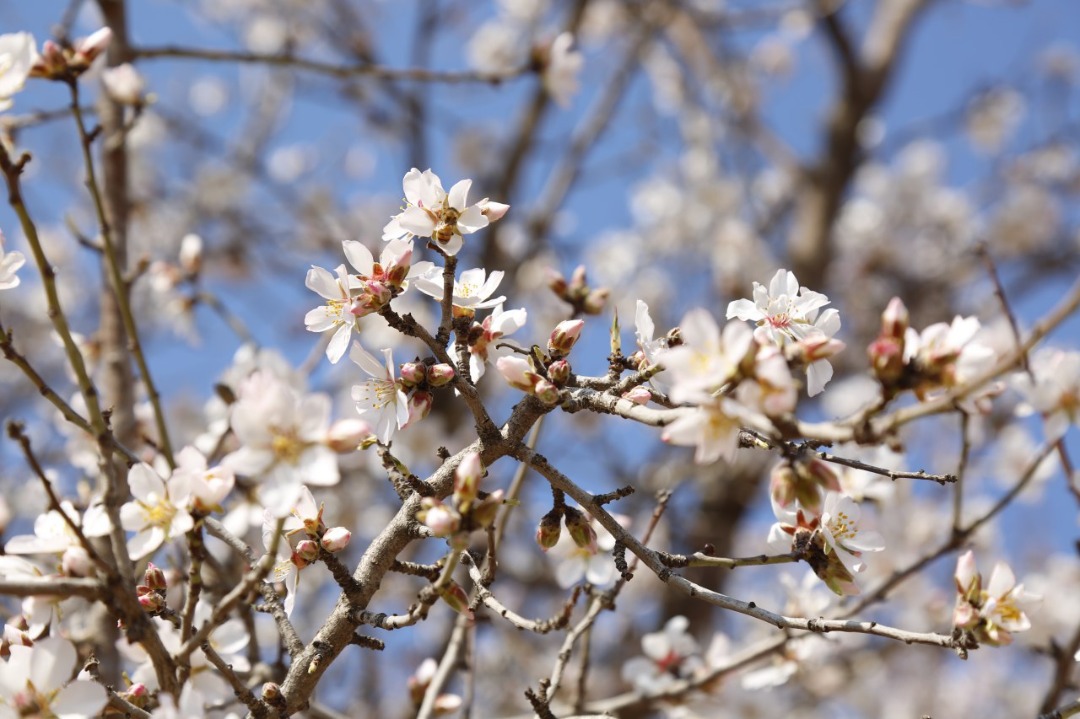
(434, 213)
(785, 312)
(34, 682)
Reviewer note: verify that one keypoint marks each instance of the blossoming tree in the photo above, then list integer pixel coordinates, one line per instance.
(839, 380)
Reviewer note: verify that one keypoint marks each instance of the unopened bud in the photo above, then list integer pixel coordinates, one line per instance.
(441, 519)
(546, 392)
(420, 404)
(456, 598)
(271, 694)
(485, 511)
(492, 210)
(51, 63)
(638, 395)
(440, 375)
(137, 694)
(596, 300)
(413, 374)
(467, 478)
(580, 529)
(549, 529)
(894, 320)
(564, 336)
(154, 578)
(150, 601)
(307, 551)
(559, 372)
(556, 282)
(345, 435)
(335, 539)
(124, 84)
(887, 359)
(578, 281)
(87, 49)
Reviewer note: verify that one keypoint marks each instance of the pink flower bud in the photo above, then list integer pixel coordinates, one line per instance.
(271, 692)
(492, 210)
(379, 292)
(894, 320)
(517, 372)
(467, 478)
(440, 375)
(150, 601)
(413, 374)
(581, 530)
(887, 359)
(87, 49)
(638, 395)
(596, 300)
(307, 551)
(438, 517)
(335, 539)
(345, 435)
(420, 404)
(52, 62)
(559, 372)
(578, 281)
(564, 336)
(137, 694)
(556, 282)
(546, 392)
(549, 529)
(456, 599)
(154, 578)
(485, 511)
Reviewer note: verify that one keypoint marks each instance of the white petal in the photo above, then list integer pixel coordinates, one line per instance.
(459, 195)
(359, 256)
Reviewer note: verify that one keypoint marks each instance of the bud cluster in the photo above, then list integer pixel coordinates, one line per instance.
(417, 379)
(67, 62)
(469, 508)
(151, 592)
(584, 299)
(577, 523)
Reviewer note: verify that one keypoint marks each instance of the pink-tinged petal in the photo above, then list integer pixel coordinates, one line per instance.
(966, 572)
(744, 310)
(471, 220)
(367, 361)
(145, 483)
(52, 663)
(323, 283)
(417, 221)
(1002, 580)
(339, 343)
(320, 319)
(458, 198)
(359, 256)
(146, 542)
(506, 323)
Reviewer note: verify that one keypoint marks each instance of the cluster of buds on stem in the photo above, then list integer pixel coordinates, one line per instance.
(584, 299)
(67, 62)
(543, 375)
(151, 592)
(369, 293)
(887, 351)
(577, 523)
(417, 380)
(469, 508)
(802, 480)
